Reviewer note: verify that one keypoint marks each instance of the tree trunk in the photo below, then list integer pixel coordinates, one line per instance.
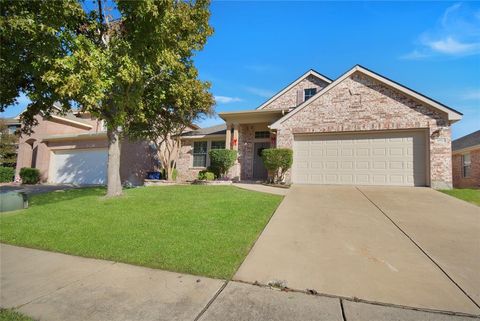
(114, 187)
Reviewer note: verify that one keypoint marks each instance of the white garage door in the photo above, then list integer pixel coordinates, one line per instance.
(79, 166)
(388, 158)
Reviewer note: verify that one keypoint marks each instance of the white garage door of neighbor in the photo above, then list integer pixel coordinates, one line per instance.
(79, 166)
(387, 158)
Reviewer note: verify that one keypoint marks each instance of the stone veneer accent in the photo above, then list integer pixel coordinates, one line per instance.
(474, 179)
(289, 98)
(361, 103)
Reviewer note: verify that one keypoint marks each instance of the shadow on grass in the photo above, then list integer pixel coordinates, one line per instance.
(65, 195)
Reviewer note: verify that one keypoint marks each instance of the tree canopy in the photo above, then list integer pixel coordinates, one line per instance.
(57, 51)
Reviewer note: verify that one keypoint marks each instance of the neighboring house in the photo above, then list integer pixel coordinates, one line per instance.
(13, 124)
(361, 128)
(72, 148)
(466, 160)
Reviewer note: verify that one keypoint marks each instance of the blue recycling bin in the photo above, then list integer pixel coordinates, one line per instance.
(154, 175)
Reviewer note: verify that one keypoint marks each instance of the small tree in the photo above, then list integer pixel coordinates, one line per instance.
(172, 103)
(221, 160)
(277, 161)
(8, 148)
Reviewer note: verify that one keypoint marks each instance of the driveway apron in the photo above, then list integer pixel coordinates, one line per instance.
(334, 240)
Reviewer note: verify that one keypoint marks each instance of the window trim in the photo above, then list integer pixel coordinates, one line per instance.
(200, 154)
(305, 93)
(209, 148)
(466, 165)
(216, 141)
(262, 133)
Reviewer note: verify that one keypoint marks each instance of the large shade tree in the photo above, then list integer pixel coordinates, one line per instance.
(58, 51)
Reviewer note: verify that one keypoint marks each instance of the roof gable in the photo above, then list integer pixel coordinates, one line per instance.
(453, 115)
(309, 73)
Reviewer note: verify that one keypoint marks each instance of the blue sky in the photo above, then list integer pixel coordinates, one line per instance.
(259, 47)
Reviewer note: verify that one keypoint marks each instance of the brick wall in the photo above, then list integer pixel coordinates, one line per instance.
(289, 98)
(361, 103)
(185, 162)
(457, 170)
(246, 135)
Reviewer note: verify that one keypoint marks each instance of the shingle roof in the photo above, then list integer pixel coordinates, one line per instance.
(214, 130)
(467, 141)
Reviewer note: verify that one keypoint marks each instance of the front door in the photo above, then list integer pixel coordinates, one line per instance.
(259, 170)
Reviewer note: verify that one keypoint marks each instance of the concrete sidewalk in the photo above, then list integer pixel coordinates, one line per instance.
(52, 286)
(263, 188)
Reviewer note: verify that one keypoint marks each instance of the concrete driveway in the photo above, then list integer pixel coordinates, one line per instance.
(411, 247)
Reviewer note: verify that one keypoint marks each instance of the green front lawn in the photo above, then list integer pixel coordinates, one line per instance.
(12, 315)
(466, 194)
(203, 230)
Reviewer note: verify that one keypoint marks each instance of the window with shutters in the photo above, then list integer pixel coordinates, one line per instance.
(309, 93)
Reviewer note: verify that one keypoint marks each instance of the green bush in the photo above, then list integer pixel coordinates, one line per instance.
(29, 175)
(206, 175)
(6, 174)
(277, 161)
(221, 160)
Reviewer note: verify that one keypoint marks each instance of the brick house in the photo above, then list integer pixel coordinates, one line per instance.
(361, 128)
(72, 148)
(466, 161)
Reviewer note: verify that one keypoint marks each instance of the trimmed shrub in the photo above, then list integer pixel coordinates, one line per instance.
(6, 174)
(206, 175)
(221, 160)
(174, 174)
(277, 161)
(29, 175)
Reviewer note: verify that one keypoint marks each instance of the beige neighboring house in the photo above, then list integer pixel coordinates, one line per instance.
(72, 148)
(361, 128)
(466, 161)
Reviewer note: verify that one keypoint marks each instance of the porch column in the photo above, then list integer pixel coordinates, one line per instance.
(235, 136)
(228, 137)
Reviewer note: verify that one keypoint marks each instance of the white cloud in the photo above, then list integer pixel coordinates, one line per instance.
(456, 34)
(226, 99)
(453, 47)
(260, 92)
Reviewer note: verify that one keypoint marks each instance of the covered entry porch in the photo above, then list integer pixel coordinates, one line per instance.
(248, 132)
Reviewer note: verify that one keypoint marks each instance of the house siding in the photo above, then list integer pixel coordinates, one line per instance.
(361, 103)
(289, 98)
(457, 168)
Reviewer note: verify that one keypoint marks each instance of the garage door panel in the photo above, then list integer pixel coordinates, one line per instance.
(388, 158)
(79, 167)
